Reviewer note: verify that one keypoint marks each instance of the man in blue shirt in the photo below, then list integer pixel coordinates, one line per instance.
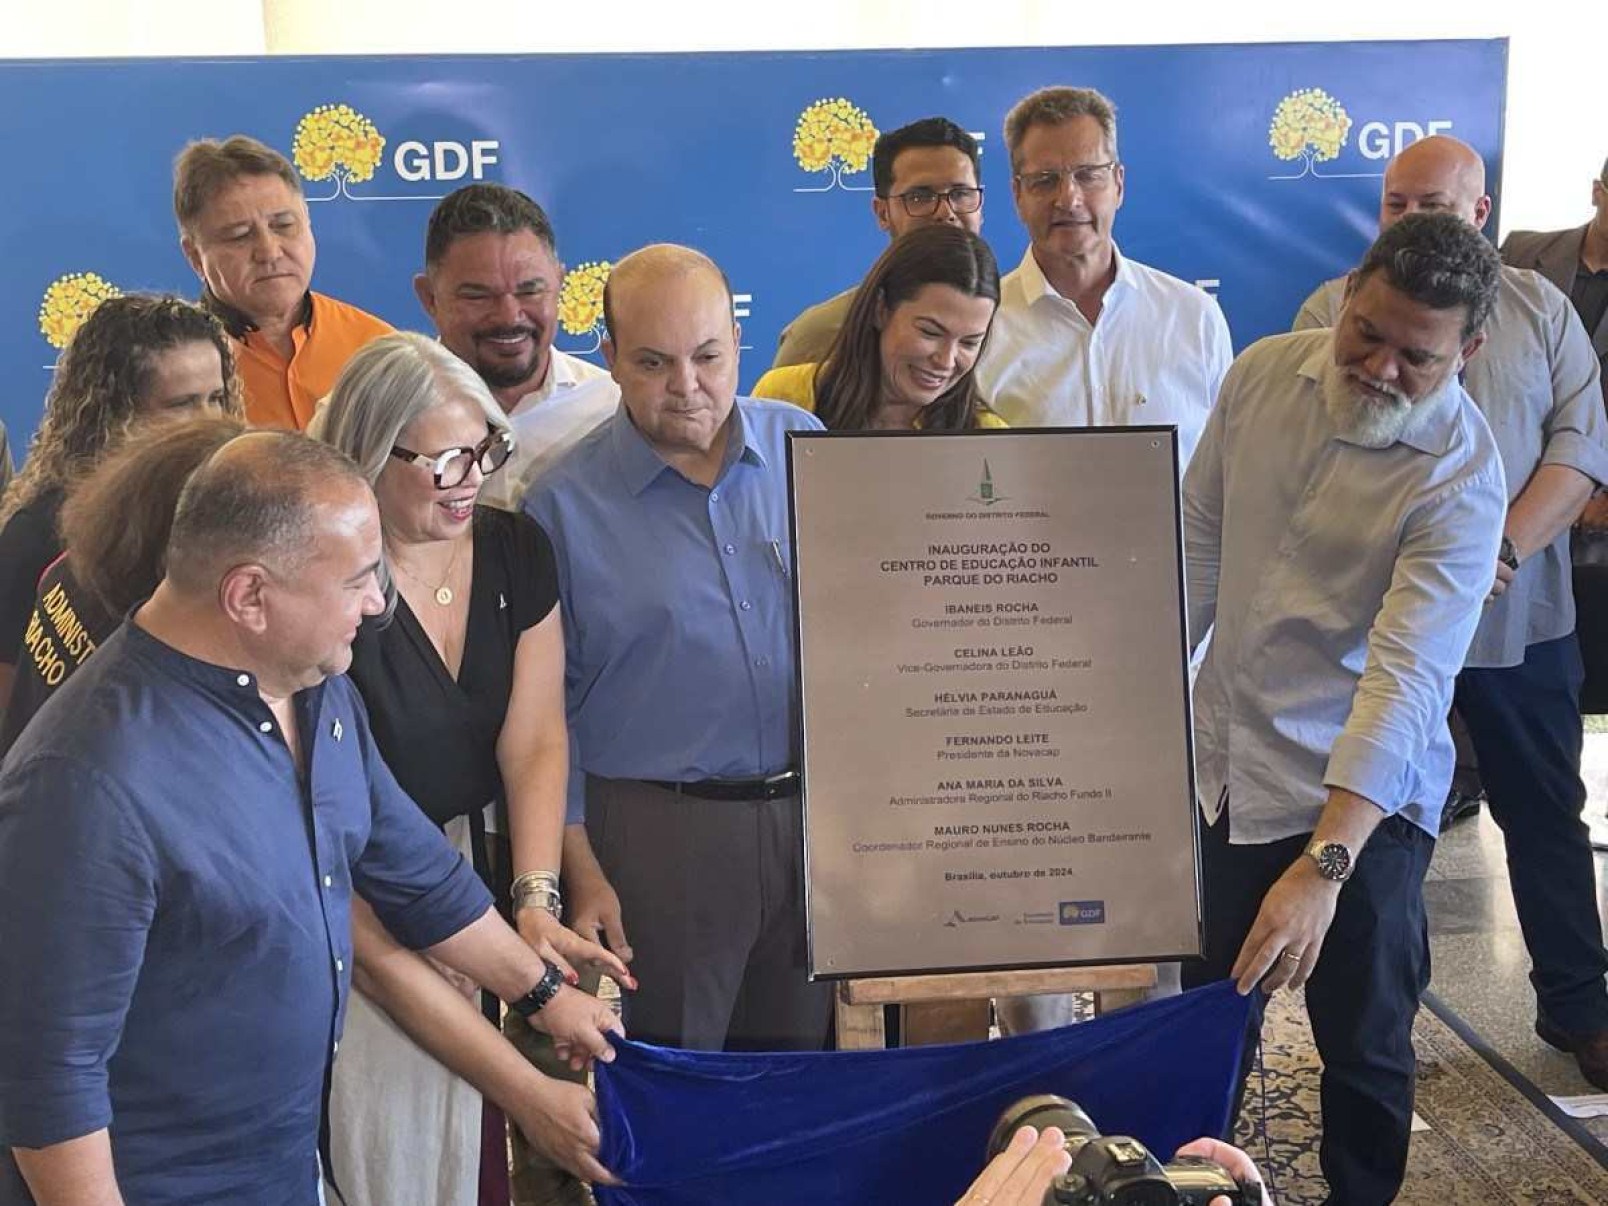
(181, 830)
(669, 523)
(1342, 515)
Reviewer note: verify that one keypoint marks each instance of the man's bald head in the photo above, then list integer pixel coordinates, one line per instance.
(1439, 174)
(643, 277)
(257, 501)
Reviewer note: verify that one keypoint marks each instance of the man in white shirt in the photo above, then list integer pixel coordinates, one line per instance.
(490, 284)
(1084, 335)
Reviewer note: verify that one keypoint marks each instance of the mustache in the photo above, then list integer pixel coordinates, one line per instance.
(507, 332)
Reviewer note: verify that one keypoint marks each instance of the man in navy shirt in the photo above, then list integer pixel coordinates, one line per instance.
(181, 830)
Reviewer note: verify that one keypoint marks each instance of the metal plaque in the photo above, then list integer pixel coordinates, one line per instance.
(995, 700)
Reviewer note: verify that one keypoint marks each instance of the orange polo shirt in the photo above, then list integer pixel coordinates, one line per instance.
(284, 393)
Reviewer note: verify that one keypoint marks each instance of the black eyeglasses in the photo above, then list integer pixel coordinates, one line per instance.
(1089, 177)
(451, 465)
(923, 202)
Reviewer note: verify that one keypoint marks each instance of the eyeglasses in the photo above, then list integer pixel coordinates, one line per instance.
(451, 465)
(1089, 177)
(923, 202)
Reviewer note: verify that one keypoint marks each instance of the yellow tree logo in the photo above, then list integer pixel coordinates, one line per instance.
(580, 302)
(1311, 126)
(69, 301)
(337, 142)
(835, 137)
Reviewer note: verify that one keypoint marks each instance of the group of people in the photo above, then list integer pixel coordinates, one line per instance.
(461, 670)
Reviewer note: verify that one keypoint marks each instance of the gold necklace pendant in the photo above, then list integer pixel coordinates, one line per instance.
(444, 596)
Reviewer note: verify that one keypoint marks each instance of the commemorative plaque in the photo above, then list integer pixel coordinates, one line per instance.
(995, 700)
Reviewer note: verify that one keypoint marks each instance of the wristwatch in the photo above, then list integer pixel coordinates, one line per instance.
(534, 1001)
(1333, 859)
(1507, 554)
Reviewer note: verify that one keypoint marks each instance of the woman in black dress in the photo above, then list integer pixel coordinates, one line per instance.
(465, 690)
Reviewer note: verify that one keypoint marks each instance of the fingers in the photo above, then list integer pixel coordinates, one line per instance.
(1030, 1179)
(591, 1170)
(550, 952)
(1237, 1163)
(583, 950)
(992, 1179)
(614, 932)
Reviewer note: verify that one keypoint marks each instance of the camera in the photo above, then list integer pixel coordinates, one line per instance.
(1115, 1170)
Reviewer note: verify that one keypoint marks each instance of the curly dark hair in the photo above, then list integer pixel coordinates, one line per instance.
(483, 209)
(848, 384)
(1439, 261)
(103, 372)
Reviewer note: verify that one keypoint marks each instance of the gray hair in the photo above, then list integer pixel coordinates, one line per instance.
(254, 501)
(1051, 107)
(389, 383)
(1439, 261)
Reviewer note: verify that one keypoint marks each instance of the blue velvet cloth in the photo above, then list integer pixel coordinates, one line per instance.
(906, 1126)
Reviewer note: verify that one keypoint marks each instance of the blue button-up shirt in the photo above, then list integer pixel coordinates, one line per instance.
(175, 937)
(678, 603)
(1345, 583)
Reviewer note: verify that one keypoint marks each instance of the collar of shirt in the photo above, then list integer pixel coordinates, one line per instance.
(561, 374)
(238, 323)
(640, 464)
(1036, 286)
(230, 686)
(1433, 428)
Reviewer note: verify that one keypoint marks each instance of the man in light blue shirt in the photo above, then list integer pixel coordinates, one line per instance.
(1342, 516)
(1537, 381)
(670, 526)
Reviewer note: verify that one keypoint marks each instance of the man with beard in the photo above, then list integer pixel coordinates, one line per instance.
(490, 284)
(1538, 383)
(1342, 515)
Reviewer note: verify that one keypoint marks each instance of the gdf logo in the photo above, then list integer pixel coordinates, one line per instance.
(336, 142)
(1310, 127)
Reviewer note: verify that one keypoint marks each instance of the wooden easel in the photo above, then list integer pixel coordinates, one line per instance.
(964, 996)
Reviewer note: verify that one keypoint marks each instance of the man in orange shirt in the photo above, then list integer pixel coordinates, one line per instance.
(244, 228)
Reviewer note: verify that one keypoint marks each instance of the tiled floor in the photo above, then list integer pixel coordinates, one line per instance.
(1479, 964)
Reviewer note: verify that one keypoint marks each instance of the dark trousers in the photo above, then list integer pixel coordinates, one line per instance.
(712, 896)
(1362, 996)
(1525, 722)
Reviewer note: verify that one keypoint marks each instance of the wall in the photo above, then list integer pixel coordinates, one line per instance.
(1556, 48)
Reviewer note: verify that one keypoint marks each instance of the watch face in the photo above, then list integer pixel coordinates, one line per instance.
(1334, 860)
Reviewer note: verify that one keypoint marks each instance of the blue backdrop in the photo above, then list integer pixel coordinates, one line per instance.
(1253, 168)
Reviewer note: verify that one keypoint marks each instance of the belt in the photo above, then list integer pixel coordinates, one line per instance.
(770, 787)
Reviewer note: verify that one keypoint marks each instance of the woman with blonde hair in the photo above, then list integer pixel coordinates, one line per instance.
(465, 690)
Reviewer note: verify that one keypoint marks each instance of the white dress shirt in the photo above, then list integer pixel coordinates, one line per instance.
(550, 420)
(1156, 354)
(1345, 584)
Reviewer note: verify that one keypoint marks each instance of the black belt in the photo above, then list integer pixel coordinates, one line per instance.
(771, 787)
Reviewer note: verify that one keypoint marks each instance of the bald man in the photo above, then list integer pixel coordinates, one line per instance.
(182, 827)
(670, 527)
(1537, 381)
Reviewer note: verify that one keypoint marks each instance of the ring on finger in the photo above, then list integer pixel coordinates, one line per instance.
(1295, 955)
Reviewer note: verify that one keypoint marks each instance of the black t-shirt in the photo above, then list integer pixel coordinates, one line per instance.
(28, 543)
(439, 736)
(64, 627)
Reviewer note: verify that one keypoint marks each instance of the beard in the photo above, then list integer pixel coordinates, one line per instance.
(500, 373)
(1368, 418)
